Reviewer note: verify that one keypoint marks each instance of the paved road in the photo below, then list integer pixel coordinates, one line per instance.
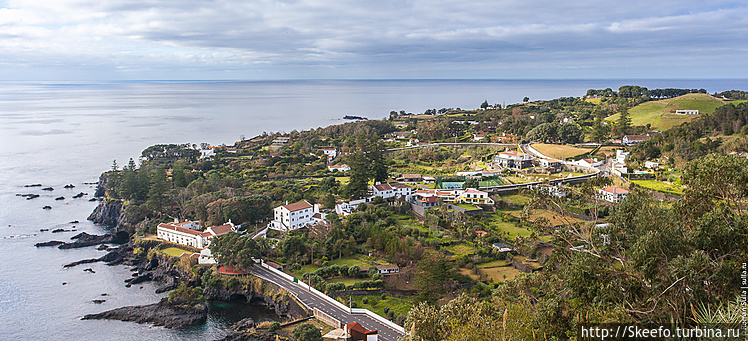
(312, 300)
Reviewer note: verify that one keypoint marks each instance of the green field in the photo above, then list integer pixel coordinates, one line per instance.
(661, 114)
(174, 252)
(659, 186)
(399, 304)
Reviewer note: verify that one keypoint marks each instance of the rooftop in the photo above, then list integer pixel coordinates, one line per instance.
(615, 190)
(298, 206)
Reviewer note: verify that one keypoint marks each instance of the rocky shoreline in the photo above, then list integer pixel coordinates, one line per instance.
(159, 314)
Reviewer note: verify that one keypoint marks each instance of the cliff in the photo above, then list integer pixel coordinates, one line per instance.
(109, 213)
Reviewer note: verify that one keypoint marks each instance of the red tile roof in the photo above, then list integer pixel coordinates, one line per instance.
(298, 206)
(179, 229)
(615, 190)
(355, 326)
(383, 187)
(637, 137)
(222, 229)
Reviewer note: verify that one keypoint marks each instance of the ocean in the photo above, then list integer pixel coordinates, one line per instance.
(59, 133)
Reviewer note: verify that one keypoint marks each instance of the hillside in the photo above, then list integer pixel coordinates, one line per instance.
(661, 114)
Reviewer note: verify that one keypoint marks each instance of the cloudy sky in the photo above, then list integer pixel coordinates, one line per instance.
(365, 39)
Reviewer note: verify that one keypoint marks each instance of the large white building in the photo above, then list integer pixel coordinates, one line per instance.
(184, 234)
(294, 216)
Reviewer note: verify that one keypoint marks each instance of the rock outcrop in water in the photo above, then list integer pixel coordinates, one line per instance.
(159, 314)
(84, 239)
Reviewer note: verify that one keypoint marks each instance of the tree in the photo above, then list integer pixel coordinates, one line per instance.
(378, 162)
(569, 133)
(115, 168)
(526, 99)
(546, 132)
(235, 250)
(599, 130)
(623, 125)
(484, 104)
(307, 332)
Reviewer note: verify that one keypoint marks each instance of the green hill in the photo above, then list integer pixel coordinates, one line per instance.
(661, 114)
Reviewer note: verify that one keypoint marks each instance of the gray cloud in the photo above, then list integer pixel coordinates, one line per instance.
(350, 39)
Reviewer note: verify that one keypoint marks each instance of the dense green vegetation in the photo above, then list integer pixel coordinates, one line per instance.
(656, 259)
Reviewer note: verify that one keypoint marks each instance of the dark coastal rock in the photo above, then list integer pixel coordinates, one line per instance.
(79, 195)
(49, 243)
(159, 314)
(74, 222)
(43, 230)
(69, 186)
(29, 196)
(99, 301)
(33, 185)
(47, 207)
(103, 247)
(60, 198)
(48, 189)
(111, 258)
(140, 278)
(107, 213)
(248, 336)
(244, 324)
(84, 239)
(92, 199)
(59, 230)
(89, 270)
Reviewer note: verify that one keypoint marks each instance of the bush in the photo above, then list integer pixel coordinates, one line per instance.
(365, 300)
(307, 332)
(354, 304)
(274, 327)
(185, 295)
(384, 297)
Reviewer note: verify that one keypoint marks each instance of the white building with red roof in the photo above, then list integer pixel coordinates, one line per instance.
(338, 168)
(382, 190)
(184, 233)
(294, 216)
(613, 193)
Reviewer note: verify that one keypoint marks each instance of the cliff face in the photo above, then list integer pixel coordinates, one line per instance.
(109, 213)
(275, 297)
(159, 314)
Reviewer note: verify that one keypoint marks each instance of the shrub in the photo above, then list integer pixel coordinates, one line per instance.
(274, 327)
(365, 300)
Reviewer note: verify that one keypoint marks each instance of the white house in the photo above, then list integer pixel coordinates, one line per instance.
(206, 257)
(633, 139)
(550, 163)
(402, 191)
(613, 193)
(180, 233)
(382, 190)
(331, 153)
(651, 164)
(591, 163)
(479, 136)
(293, 216)
(388, 269)
(513, 160)
(686, 112)
(338, 168)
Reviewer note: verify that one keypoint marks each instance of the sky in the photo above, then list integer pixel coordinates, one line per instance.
(365, 39)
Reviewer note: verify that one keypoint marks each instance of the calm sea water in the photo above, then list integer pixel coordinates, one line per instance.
(68, 133)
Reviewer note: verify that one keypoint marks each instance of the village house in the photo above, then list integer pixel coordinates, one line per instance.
(613, 194)
(402, 191)
(331, 153)
(385, 191)
(294, 216)
(513, 160)
(457, 196)
(388, 269)
(550, 163)
(479, 136)
(425, 199)
(590, 163)
(686, 112)
(411, 178)
(633, 139)
(651, 164)
(184, 234)
(356, 332)
(338, 168)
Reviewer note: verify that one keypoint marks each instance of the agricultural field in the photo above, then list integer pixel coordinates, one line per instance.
(399, 304)
(661, 114)
(659, 186)
(490, 183)
(499, 273)
(559, 151)
(174, 252)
